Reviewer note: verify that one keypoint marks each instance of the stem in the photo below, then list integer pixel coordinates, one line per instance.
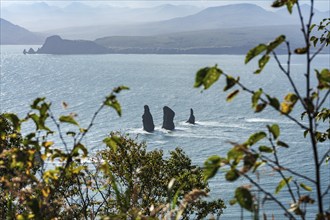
(264, 101)
(58, 126)
(280, 171)
(287, 73)
(309, 111)
(325, 98)
(268, 194)
(288, 169)
(91, 123)
(324, 157)
(318, 51)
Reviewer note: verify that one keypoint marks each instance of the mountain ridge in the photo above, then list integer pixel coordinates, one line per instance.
(15, 34)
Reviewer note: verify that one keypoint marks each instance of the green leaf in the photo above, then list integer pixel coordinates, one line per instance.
(119, 89)
(200, 75)
(262, 63)
(211, 166)
(282, 144)
(305, 133)
(36, 102)
(290, 4)
(265, 149)
(68, 119)
(255, 97)
(244, 198)
(14, 120)
(302, 50)
(282, 183)
(235, 153)
(207, 76)
(78, 147)
(272, 45)
(254, 138)
(113, 142)
(230, 82)
(323, 79)
(249, 161)
(232, 202)
(260, 107)
(289, 101)
(255, 52)
(232, 95)
(273, 101)
(275, 130)
(311, 27)
(115, 105)
(325, 75)
(232, 175)
(257, 165)
(278, 3)
(211, 77)
(71, 133)
(305, 187)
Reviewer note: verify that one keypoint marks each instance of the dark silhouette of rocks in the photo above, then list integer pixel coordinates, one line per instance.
(168, 117)
(148, 122)
(30, 51)
(56, 45)
(191, 119)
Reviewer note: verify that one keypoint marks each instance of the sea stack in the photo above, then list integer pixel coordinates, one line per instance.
(147, 120)
(191, 119)
(168, 117)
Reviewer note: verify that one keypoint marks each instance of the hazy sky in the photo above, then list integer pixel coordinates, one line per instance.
(322, 5)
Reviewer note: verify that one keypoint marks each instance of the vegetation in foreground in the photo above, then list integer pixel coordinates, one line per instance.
(244, 160)
(116, 184)
(45, 179)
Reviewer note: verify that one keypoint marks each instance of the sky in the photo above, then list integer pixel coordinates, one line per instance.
(322, 5)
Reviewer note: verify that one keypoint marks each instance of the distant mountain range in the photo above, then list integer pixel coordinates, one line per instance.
(215, 30)
(214, 41)
(42, 17)
(14, 34)
(230, 16)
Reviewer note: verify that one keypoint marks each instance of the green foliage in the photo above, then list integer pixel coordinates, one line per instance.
(274, 130)
(207, 76)
(244, 198)
(323, 28)
(143, 178)
(267, 48)
(282, 183)
(254, 138)
(244, 160)
(123, 181)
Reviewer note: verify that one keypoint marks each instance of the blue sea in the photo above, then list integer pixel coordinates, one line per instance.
(83, 81)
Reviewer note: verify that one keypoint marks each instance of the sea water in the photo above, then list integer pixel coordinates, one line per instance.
(83, 81)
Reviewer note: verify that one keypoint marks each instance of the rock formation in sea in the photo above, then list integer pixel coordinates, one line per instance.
(168, 117)
(56, 45)
(30, 51)
(191, 119)
(147, 120)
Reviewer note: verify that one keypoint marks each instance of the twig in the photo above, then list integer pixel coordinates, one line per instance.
(268, 194)
(58, 126)
(318, 51)
(264, 101)
(287, 73)
(325, 98)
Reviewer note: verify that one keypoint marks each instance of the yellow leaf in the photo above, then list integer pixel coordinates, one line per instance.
(45, 192)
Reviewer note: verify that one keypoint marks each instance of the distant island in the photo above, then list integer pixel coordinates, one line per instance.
(56, 45)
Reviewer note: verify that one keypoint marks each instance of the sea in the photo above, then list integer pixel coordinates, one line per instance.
(83, 81)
